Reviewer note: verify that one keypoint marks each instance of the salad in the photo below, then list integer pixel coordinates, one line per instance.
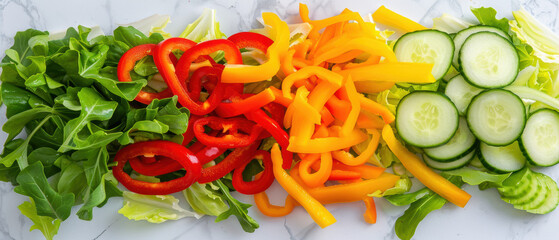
(335, 110)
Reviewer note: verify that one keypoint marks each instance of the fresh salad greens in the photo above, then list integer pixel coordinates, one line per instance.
(64, 92)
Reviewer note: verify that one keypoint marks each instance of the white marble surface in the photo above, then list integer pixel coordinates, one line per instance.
(485, 216)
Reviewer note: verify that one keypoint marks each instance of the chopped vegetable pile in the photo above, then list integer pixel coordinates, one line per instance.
(334, 110)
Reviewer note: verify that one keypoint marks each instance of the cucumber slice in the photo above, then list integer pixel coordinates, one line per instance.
(426, 119)
(517, 184)
(540, 197)
(532, 193)
(502, 159)
(488, 60)
(540, 139)
(552, 199)
(426, 46)
(459, 145)
(496, 117)
(462, 35)
(445, 166)
(461, 93)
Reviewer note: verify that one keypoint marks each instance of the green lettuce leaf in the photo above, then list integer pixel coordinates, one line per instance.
(204, 28)
(47, 225)
(487, 16)
(205, 199)
(542, 40)
(153, 208)
(403, 185)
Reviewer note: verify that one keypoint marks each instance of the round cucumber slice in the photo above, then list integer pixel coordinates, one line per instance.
(502, 159)
(461, 93)
(540, 138)
(465, 33)
(446, 166)
(459, 145)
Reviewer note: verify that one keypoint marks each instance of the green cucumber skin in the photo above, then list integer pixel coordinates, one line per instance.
(525, 152)
(520, 189)
(472, 148)
(552, 199)
(540, 197)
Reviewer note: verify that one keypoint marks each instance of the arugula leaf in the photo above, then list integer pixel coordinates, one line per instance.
(72, 179)
(21, 45)
(18, 100)
(47, 156)
(20, 153)
(236, 208)
(95, 169)
(16, 123)
(33, 183)
(205, 199)
(487, 16)
(47, 225)
(94, 107)
(476, 177)
(107, 77)
(132, 37)
(153, 208)
(407, 198)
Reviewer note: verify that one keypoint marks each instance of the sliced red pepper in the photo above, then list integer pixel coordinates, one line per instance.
(168, 149)
(261, 183)
(126, 64)
(276, 111)
(251, 40)
(238, 105)
(212, 84)
(232, 161)
(189, 134)
(237, 132)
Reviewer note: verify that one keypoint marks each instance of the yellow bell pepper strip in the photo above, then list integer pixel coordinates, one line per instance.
(389, 18)
(263, 204)
(276, 51)
(279, 98)
(372, 87)
(424, 174)
(318, 25)
(392, 72)
(353, 96)
(369, 121)
(370, 214)
(304, 117)
(321, 93)
(366, 171)
(321, 175)
(348, 159)
(353, 192)
(323, 38)
(328, 144)
(368, 45)
(287, 63)
(317, 211)
(304, 12)
(377, 109)
(306, 72)
(345, 57)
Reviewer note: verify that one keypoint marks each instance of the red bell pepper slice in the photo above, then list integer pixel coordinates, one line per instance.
(251, 40)
(126, 64)
(189, 134)
(261, 183)
(238, 105)
(212, 83)
(238, 132)
(232, 161)
(168, 149)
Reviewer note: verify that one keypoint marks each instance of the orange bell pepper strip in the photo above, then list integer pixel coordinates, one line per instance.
(369, 121)
(304, 117)
(249, 104)
(306, 72)
(345, 57)
(424, 174)
(353, 115)
(316, 210)
(368, 45)
(276, 51)
(389, 18)
(339, 108)
(304, 12)
(279, 98)
(263, 204)
(348, 159)
(370, 214)
(370, 61)
(392, 72)
(366, 171)
(328, 144)
(287, 63)
(377, 109)
(322, 173)
(371, 87)
(321, 93)
(302, 49)
(342, 175)
(353, 192)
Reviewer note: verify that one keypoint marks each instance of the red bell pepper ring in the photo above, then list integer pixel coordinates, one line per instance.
(168, 149)
(251, 40)
(126, 64)
(260, 184)
(235, 159)
(212, 83)
(237, 132)
(189, 134)
(238, 105)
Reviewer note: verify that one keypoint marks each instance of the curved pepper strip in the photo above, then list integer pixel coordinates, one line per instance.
(377, 109)
(287, 63)
(276, 51)
(262, 182)
(126, 64)
(343, 17)
(263, 204)
(393, 72)
(172, 150)
(387, 17)
(212, 75)
(328, 144)
(251, 40)
(323, 172)
(326, 75)
(235, 159)
(342, 175)
(371, 87)
(368, 45)
(423, 173)
(247, 135)
(317, 211)
(369, 121)
(348, 159)
(370, 214)
(304, 118)
(240, 106)
(189, 134)
(353, 97)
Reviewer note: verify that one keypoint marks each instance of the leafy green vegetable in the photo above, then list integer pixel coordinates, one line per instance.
(403, 185)
(476, 177)
(487, 16)
(47, 225)
(543, 41)
(205, 199)
(450, 24)
(236, 208)
(408, 198)
(153, 208)
(204, 28)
